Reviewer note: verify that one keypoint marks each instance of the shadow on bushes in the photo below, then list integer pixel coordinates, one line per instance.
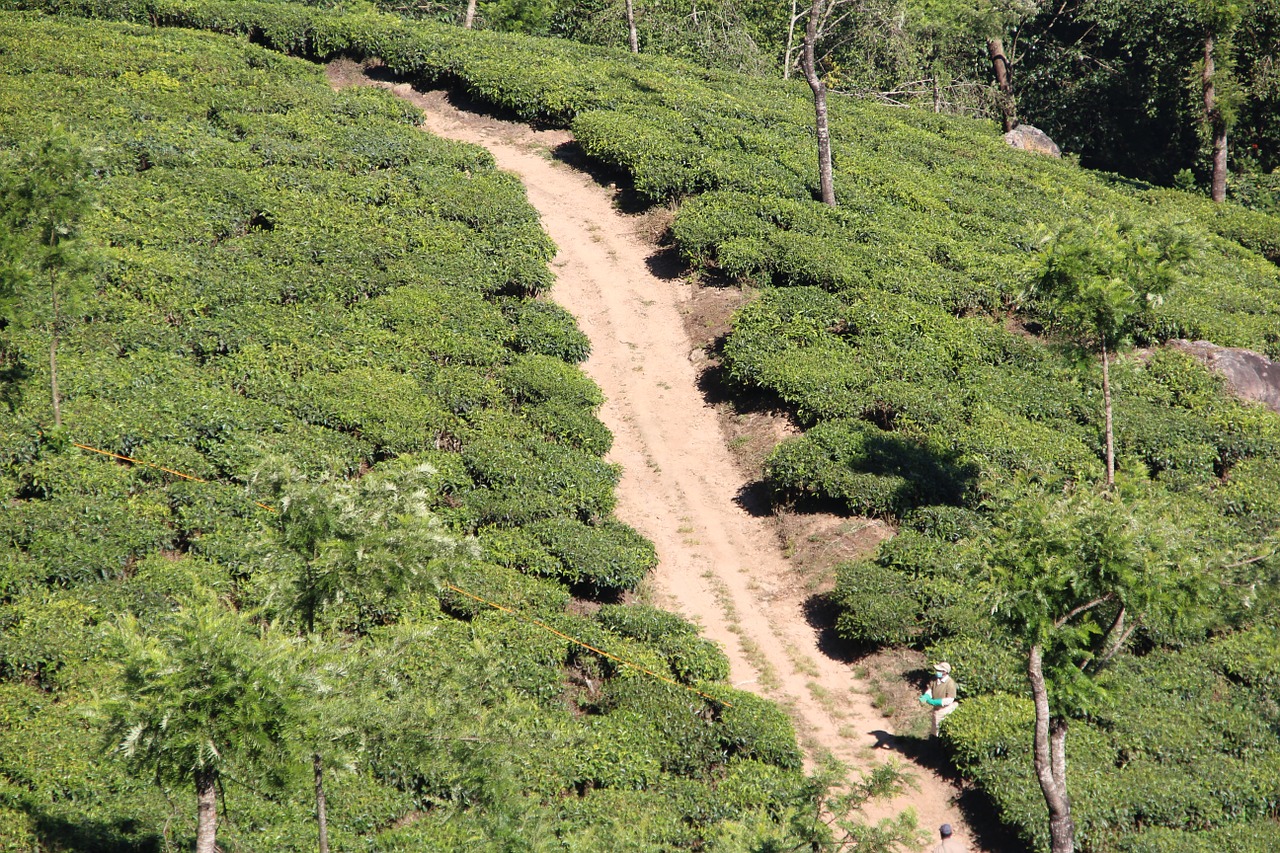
(625, 198)
(868, 470)
(93, 836)
(820, 611)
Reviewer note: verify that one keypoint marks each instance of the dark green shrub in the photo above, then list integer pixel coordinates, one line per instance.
(692, 659)
(502, 586)
(609, 556)
(982, 664)
(877, 604)
(873, 471)
(754, 728)
(520, 477)
(1259, 836)
(677, 724)
(540, 378)
(545, 328)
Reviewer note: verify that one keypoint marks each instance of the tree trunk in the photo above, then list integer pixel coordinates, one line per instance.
(632, 36)
(1106, 406)
(470, 18)
(1050, 753)
(1217, 125)
(206, 811)
(53, 351)
(1000, 67)
(322, 817)
(787, 60)
(808, 61)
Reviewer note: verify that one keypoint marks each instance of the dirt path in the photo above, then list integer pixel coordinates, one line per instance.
(719, 565)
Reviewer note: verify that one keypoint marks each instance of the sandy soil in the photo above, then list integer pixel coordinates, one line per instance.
(720, 565)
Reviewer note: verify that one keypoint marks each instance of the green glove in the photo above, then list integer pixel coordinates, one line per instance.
(937, 703)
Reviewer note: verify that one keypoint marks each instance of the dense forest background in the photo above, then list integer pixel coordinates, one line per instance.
(1115, 81)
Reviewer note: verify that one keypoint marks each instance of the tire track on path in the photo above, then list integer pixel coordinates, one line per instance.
(680, 486)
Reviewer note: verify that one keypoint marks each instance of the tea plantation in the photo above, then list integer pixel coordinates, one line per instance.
(897, 329)
(330, 319)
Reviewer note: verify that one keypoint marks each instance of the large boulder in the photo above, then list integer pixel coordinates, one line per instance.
(1031, 138)
(1249, 375)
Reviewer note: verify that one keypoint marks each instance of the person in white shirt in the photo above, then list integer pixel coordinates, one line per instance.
(941, 694)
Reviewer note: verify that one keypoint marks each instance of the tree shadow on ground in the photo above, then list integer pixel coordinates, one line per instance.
(980, 815)
(666, 264)
(756, 498)
(927, 753)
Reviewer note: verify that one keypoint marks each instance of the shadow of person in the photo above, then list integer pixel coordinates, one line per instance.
(884, 740)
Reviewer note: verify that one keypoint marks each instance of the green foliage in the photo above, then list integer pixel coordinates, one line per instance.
(886, 331)
(1129, 107)
(692, 659)
(329, 317)
(877, 604)
(1097, 278)
(872, 471)
(200, 691)
(604, 557)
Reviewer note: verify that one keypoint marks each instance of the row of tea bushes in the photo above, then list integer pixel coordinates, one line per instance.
(304, 300)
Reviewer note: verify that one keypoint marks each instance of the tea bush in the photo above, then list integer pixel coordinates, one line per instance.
(305, 301)
(893, 327)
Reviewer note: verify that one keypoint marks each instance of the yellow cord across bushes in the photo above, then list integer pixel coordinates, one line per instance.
(190, 477)
(509, 611)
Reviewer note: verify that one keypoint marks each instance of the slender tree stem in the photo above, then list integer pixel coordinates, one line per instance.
(1217, 124)
(1050, 758)
(53, 351)
(1106, 404)
(632, 36)
(787, 58)
(206, 811)
(322, 818)
(808, 60)
(1000, 68)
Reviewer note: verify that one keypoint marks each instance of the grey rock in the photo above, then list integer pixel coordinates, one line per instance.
(1249, 375)
(1031, 138)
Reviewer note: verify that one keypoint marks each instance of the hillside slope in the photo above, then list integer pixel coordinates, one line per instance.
(717, 563)
(314, 328)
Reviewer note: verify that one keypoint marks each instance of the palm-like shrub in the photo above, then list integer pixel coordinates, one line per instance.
(202, 691)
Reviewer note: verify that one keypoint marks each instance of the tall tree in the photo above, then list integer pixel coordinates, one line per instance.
(1004, 88)
(42, 200)
(633, 37)
(202, 691)
(1218, 20)
(995, 24)
(1080, 571)
(814, 26)
(364, 544)
(1097, 280)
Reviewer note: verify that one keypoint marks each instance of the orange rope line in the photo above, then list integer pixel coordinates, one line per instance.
(190, 477)
(544, 626)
